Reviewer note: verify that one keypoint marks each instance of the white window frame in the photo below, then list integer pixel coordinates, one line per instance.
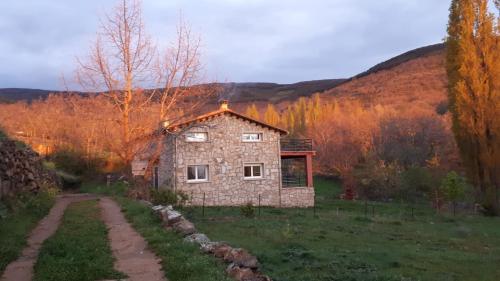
(252, 165)
(193, 139)
(261, 137)
(196, 173)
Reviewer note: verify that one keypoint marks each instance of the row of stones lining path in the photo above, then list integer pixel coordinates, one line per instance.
(129, 248)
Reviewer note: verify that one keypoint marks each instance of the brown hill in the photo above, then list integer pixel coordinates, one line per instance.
(414, 79)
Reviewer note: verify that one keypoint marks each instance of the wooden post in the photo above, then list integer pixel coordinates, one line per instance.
(366, 208)
(309, 170)
(203, 206)
(314, 205)
(259, 205)
(108, 180)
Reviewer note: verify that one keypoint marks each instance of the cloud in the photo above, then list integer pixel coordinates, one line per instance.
(260, 40)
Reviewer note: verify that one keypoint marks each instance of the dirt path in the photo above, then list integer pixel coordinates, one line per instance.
(22, 268)
(129, 248)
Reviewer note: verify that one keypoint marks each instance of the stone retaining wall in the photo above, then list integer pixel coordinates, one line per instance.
(302, 197)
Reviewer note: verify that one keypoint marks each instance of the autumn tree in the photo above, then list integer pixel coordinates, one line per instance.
(252, 112)
(473, 67)
(120, 64)
(271, 115)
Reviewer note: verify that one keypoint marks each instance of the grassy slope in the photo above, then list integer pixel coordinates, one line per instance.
(181, 261)
(79, 250)
(15, 228)
(344, 245)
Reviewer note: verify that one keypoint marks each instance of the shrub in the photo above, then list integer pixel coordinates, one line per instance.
(416, 182)
(168, 197)
(75, 162)
(247, 210)
(454, 187)
(69, 181)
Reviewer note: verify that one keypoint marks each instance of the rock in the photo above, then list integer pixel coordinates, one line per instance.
(241, 257)
(198, 238)
(221, 250)
(239, 273)
(208, 248)
(172, 216)
(157, 208)
(184, 227)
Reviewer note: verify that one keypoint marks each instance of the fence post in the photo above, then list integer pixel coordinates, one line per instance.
(108, 180)
(366, 208)
(259, 205)
(314, 205)
(203, 206)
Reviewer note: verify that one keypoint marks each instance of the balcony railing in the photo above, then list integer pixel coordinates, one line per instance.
(296, 145)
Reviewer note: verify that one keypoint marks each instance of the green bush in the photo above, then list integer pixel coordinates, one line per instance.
(69, 181)
(168, 197)
(74, 162)
(415, 183)
(247, 210)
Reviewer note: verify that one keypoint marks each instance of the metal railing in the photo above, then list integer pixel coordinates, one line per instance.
(296, 145)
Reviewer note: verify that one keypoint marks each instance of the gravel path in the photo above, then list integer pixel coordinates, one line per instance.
(22, 268)
(129, 248)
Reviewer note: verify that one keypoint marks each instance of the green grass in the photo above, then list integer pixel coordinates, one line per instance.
(16, 226)
(181, 261)
(79, 250)
(341, 243)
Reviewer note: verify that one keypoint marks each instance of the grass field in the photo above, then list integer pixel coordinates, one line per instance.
(79, 250)
(14, 229)
(337, 241)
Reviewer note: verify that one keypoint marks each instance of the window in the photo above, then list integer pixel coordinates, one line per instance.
(252, 137)
(197, 173)
(197, 137)
(253, 171)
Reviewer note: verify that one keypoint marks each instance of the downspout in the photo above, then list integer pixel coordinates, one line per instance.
(175, 163)
(279, 169)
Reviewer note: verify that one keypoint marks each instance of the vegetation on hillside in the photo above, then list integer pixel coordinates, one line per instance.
(379, 151)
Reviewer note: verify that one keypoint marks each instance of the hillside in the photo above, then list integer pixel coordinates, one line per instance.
(415, 79)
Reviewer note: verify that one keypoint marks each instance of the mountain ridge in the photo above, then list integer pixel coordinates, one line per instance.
(243, 93)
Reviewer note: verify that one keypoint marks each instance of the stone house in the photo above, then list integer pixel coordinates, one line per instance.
(224, 158)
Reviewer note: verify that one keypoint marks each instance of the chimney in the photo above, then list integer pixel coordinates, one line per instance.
(224, 105)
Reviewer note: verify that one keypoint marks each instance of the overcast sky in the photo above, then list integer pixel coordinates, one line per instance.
(281, 41)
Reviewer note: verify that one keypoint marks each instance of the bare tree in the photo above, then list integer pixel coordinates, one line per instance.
(119, 63)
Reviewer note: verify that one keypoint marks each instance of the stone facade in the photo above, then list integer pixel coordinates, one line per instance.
(226, 153)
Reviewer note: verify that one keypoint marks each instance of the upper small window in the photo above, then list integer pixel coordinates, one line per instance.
(252, 137)
(197, 137)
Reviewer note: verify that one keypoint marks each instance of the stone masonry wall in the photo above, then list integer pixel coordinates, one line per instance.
(297, 197)
(166, 163)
